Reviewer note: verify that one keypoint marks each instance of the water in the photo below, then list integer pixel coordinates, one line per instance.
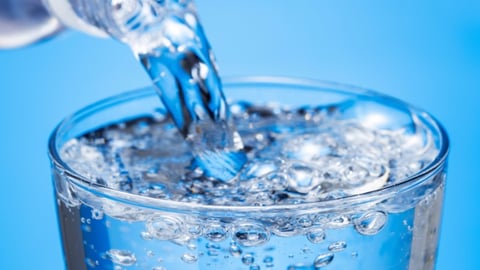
(294, 157)
(207, 153)
(169, 41)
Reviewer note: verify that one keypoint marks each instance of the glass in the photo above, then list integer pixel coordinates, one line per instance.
(395, 226)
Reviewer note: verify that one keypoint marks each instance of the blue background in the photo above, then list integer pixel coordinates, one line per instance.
(425, 52)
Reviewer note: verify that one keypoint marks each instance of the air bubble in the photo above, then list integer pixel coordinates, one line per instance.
(235, 250)
(316, 235)
(91, 263)
(189, 258)
(215, 232)
(338, 222)
(304, 221)
(323, 260)
(259, 168)
(285, 230)
(146, 236)
(122, 257)
(370, 223)
(268, 261)
(97, 214)
(250, 234)
(254, 267)
(164, 227)
(248, 259)
(212, 249)
(301, 178)
(337, 246)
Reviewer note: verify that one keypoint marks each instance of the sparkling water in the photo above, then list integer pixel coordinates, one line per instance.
(296, 157)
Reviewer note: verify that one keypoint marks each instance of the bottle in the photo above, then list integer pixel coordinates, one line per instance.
(24, 22)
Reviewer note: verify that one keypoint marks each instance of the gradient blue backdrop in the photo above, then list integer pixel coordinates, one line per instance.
(425, 52)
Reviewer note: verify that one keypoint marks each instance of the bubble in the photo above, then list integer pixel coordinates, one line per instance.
(285, 230)
(316, 235)
(370, 223)
(299, 266)
(212, 249)
(122, 257)
(195, 230)
(91, 263)
(323, 260)
(356, 174)
(146, 236)
(159, 268)
(235, 250)
(304, 221)
(86, 228)
(97, 214)
(338, 222)
(258, 168)
(337, 246)
(250, 234)
(301, 178)
(216, 232)
(268, 261)
(164, 227)
(189, 258)
(248, 259)
(254, 267)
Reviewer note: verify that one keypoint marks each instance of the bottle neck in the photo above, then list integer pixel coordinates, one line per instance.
(142, 24)
(67, 11)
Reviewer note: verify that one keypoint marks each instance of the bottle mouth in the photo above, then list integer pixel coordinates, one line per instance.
(367, 199)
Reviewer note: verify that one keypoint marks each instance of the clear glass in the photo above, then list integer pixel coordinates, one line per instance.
(393, 227)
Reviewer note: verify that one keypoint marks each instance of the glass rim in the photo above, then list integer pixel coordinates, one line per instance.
(329, 205)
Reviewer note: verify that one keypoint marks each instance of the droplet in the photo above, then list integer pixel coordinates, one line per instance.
(164, 227)
(215, 232)
(189, 258)
(316, 235)
(337, 246)
(122, 257)
(250, 234)
(323, 260)
(370, 223)
(248, 259)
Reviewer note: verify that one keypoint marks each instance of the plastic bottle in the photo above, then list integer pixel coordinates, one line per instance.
(23, 22)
